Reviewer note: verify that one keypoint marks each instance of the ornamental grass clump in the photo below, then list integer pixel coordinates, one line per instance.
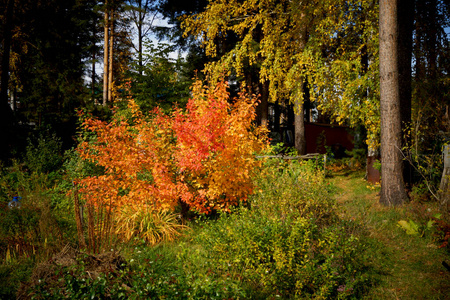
(148, 225)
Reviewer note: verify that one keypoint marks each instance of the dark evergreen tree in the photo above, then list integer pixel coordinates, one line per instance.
(6, 31)
(48, 52)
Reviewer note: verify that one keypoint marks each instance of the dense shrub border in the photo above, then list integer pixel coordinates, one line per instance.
(286, 242)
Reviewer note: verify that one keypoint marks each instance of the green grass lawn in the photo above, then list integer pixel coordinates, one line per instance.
(410, 266)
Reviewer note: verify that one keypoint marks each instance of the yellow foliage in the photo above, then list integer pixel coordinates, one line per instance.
(339, 60)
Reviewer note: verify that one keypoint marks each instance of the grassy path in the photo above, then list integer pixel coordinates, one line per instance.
(410, 266)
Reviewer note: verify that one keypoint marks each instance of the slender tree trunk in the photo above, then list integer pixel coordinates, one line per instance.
(418, 51)
(263, 106)
(277, 111)
(392, 184)
(299, 120)
(106, 54)
(14, 99)
(140, 37)
(93, 77)
(432, 38)
(299, 124)
(111, 56)
(93, 71)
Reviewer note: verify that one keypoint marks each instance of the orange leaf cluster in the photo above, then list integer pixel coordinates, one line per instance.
(203, 156)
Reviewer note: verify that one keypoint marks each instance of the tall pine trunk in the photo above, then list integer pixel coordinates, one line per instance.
(6, 45)
(392, 183)
(93, 77)
(106, 55)
(111, 56)
(94, 50)
(140, 38)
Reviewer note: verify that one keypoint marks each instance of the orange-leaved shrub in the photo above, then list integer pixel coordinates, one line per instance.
(203, 156)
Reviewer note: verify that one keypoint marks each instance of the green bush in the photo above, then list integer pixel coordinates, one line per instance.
(13, 181)
(12, 274)
(291, 257)
(43, 155)
(293, 188)
(181, 272)
(29, 234)
(288, 243)
(26, 236)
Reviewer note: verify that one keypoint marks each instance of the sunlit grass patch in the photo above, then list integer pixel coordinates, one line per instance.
(409, 266)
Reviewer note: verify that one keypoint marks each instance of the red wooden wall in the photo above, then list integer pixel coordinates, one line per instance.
(335, 137)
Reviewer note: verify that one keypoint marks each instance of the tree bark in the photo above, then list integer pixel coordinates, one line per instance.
(299, 119)
(392, 183)
(299, 125)
(111, 56)
(444, 187)
(277, 117)
(93, 77)
(140, 37)
(106, 55)
(263, 106)
(93, 71)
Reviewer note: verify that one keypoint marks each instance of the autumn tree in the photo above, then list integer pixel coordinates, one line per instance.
(343, 64)
(326, 49)
(263, 40)
(203, 156)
